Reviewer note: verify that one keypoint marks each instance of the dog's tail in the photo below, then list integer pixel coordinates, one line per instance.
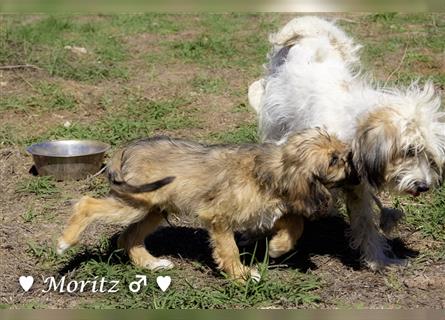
(292, 33)
(118, 183)
(124, 187)
(312, 27)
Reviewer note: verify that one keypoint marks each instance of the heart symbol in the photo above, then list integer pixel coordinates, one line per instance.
(163, 282)
(26, 282)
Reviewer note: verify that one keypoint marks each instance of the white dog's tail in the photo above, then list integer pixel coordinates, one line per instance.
(313, 27)
(290, 34)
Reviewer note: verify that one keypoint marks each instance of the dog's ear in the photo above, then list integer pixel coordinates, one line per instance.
(306, 194)
(374, 147)
(304, 162)
(321, 198)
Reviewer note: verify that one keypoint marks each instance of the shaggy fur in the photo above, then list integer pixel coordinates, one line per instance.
(397, 135)
(228, 187)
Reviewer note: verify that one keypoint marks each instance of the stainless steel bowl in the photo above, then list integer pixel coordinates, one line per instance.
(68, 159)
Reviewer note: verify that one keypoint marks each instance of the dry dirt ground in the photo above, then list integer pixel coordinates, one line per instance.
(198, 68)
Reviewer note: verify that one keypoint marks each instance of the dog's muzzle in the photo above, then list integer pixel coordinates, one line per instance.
(419, 187)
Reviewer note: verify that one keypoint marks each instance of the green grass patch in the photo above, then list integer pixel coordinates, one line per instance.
(138, 117)
(9, 135)
(242, 107)
(42, 43)
(113, 130)
(29, 216)
(382, 17)
(229, 40)
(205, 48)
(426, 214)
(420, 35)
(45, 254)
(190, 288)
(155, 23)
(245, 133)
(45, 97)
(206, 84)
(39, 186)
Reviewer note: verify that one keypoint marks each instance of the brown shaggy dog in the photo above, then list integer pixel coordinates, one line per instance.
(238, 187)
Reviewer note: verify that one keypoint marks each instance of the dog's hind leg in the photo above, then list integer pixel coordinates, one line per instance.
(289, 229)
(226, 254)
(88, 210)
(132, 240)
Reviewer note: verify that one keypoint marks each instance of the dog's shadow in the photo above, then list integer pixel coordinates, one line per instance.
(326, 236)
(329, 237)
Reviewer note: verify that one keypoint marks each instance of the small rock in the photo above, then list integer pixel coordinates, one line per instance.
(78, 50)
(425, 282)
(3, 83)
(67, 124)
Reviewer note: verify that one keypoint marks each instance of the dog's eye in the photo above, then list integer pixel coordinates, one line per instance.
(334, 160)
(433, 164)
(411, 153)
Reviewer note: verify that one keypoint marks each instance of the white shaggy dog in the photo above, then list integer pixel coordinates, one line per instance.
(397, 136)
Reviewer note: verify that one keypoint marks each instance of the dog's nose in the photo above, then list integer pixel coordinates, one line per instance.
(422, 187)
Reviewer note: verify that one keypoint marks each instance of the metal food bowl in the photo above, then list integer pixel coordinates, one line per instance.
(68, 159)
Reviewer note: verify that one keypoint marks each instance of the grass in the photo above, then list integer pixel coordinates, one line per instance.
(426, 214)
(424, 48)
(138, 117)
(44, 97)
(38, 186)
(242, 107)
(43, 43)
(227, 40)
(206, 84)
(162, 24)
(9, 135)
(187, 291)
(45, 254)
(245, 133)
(184, 295)
(205, 49)
(29, 216)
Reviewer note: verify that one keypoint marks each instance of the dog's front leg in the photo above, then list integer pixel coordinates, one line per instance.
(226, 254)
(365, 235)
(288, 229)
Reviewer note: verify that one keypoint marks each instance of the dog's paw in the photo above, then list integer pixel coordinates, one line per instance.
(160, 264)
(276, 252)
(387, 263)
(244, 274)
(255, 275)
(279, 246)
(62, 246)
